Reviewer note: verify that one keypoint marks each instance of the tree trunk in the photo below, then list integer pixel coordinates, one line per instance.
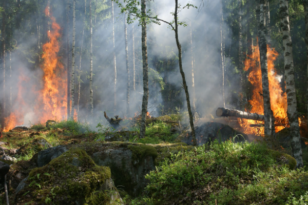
(127, 67)
(224, 112)
(306, 41)
(68, 60)
(80, 57)
(290, 84)
(268, 114)
(134, 62)
(3, 32)
(268, 20)
(114, 62)
(73, 63)
(222, 55)
(145, 70)
(91, 61)
(192, 70)
(183, 74)
(240, 57)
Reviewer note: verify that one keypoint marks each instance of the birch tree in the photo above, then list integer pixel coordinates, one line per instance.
(269, 129)
(222, 54)
(114, 62)
(192, 70)
(73, 62)
(134, 61)
(289, 80)
(127, 67)
(91, 60)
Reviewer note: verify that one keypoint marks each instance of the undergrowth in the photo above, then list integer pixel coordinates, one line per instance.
(71, 127)
(226, 173)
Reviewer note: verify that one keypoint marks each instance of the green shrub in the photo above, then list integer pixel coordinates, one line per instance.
(72, 127)
(229, 173)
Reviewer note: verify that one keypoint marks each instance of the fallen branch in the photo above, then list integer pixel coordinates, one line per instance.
(224, 112)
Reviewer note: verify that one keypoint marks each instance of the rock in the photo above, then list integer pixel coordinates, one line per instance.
(9, 158)
(20, 128)
(18, 171)
(4, 169)
(38, 144)
(210, 131)
(75, 179)
(2, 143)
(45, 156)
(12, 151)
(129, 163)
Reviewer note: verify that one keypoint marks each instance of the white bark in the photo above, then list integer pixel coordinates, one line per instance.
(290, 84)
(73, 61)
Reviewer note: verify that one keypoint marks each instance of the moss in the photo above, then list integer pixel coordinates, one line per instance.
(72, 176)
(164, 152)
(98, 198)
(284, 158)
(142, 151)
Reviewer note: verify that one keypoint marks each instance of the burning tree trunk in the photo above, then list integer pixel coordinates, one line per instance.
(224, 112)
(91, 60)
(268, 114)
(134, 68)
(73, 63)
(145, 70)
(290, 84)
(183, 74)
(127, 67)
(114, 61)
(222, 54)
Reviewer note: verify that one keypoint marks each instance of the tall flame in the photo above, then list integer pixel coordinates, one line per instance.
(278, 97)
(53, 95)
(51, 99)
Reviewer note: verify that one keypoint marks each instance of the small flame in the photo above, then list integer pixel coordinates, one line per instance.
(148, 114)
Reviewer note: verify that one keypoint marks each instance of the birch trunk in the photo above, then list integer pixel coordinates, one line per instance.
(91, 60)
(290, 84)
(183, 74)
(73, 63)
(68, 60)
(134, 62)
(80, 57)
(114, 62)
(268, 114)
(192, 70)
(222, 55)
(145, 70)
(127, 67)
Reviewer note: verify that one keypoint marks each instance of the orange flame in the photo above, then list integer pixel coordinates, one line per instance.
(278, 98)
(51, 100)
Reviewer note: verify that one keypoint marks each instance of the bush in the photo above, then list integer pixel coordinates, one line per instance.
(228, 173)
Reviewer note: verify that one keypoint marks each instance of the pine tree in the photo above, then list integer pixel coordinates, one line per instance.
(91, 61)
(73, 62)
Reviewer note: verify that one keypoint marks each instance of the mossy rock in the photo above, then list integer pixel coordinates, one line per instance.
(284, 159)
(38, 144)
(72, 177)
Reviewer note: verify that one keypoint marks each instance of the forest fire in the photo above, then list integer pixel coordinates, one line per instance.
(51, 99)
(278, 98)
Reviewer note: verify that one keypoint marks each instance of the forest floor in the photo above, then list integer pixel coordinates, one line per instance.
(226, 173)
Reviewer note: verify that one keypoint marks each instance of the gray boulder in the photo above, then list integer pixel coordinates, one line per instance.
(45, 156)
(129, 164)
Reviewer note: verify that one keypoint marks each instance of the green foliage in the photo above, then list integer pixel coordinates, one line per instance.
(155, 133)
(38, 127)
(156, 78)
(72, 127)
(302, 200)
(227, 172)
